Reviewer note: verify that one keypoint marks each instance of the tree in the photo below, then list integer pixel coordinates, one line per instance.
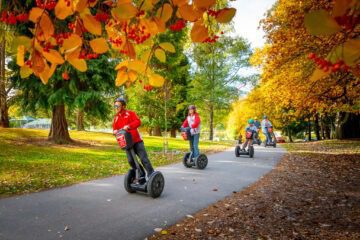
(216, 75)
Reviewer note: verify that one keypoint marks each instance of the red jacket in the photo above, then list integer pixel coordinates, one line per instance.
(195, 124)
(129, 118)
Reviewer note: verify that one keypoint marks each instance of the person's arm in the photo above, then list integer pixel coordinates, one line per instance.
(135, 121)
(115, 130)
(185, 123)
(196, 121)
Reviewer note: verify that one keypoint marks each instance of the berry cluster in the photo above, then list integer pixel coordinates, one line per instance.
(148, 88)
(211, 39)
(123, 52)
(142, 12)
(12, 19)
(102, 17)
(213, 13)
(178, 26)
(47, 47)
(65, 76)
(327, 65)
(88, 56)
(49, 5)
(71, 26)
(61, 37)
(28, 63)
(117, 41)
(136, 33)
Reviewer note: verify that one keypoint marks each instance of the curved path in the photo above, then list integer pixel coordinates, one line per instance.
(101, 209)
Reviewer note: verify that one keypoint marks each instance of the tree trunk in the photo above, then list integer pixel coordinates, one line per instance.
(59, 128)
(322, 128)
(173, 133)
(347, 125)
(150, 131)
(211, 122)
(317, 127)
(289, 134)
(157, 131)
(80, 120)
(4, 117)
(309, 130)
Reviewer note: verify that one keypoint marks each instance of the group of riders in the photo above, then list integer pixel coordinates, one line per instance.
(129, 121)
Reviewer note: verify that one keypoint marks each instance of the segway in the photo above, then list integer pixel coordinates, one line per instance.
(272, 136)
(153, 185)
(257, 139)
(189, 161)
(250, 151)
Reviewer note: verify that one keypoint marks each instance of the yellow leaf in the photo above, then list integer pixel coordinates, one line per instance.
(122, 64)
(137, 65)
(319, 74)
(81, 5)
(226, 15)
(53, 56)
(132, 75)
(92, 25)
(165, 12)
(47, 73)
(156, 80)
(180, 3)
(79, 64)
(62, 11)
(20, 55)
(25, 71)
(188, 13)
(73, 42)
(21, 40)
(167, 47)
(145, 56)
(121, 78)
(73, 54)
(147, 6)
(160, 24)
(99, 45)
(204, 4)
(35, 14)
(46, 26)
(160, 54)
(124, 11)
(150, 25)
(199, 32)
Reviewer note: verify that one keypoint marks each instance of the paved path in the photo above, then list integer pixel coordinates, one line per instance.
(101, 209)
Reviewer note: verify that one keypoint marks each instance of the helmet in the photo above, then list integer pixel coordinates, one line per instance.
(122, 100)
(251, 121)
(192, 107)
(255, 118)
(264, 117)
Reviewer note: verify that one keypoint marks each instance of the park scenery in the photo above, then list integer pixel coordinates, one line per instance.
(179, 119)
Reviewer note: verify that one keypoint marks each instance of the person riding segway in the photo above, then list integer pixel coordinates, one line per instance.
(190, 130)
(267, 129)
(250, 131)
(125, 128)
(257, 124)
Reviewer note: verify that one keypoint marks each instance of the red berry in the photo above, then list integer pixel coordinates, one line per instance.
(65, 76)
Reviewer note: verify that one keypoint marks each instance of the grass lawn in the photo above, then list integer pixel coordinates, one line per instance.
(28, 163)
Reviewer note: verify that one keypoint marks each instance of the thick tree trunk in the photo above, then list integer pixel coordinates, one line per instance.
(4, 117)
(59, 128)
(211, 123)
(289, 134)
(157, 131)
(317, 127)
(173, 133)
(347, 125)
(150, 131)
(80, 120)
(322, 128)
(309, 129)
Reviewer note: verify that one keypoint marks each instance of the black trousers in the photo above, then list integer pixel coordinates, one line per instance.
(140, 151)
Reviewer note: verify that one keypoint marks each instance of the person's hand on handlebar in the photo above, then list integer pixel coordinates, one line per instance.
(126, 127)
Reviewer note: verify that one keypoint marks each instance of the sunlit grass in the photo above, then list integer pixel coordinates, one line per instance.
(29, 163)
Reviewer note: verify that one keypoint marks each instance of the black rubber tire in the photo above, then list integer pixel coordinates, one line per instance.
(201, 161)
(185, 160)
(251, 151)
(129, 178)
(274, 144)
(237, 150)
(155, 185)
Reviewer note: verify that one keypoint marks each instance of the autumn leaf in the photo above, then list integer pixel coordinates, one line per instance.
(160, 24)
(99, 45)
(20, 55)
(204, 4)
(130, 50)
(188, 13)
(165, 12)
(137, 65)
(47, 26)
(38, 63)
(124, 11)
(81, 5)
(160, 54)
(21, 40)
(156, 80)
(35, 14)
(318, 74)
(167, 47)
(180, 3)
(132, 75)
(71, 43)
(122, 64)
(62, 10)
(91, 24)
(53, 56)
(121, 78)
(226, 15)
(47, 73)
(321, 23)
(199, 32)
(79, 64)
(25, 71)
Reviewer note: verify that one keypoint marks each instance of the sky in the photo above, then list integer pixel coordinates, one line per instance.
(248, 15)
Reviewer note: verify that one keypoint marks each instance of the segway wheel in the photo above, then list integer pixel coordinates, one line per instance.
(201, 161)
(274, 144)
(185, 160)
(251, 151)
(237, 151)
(155, 184)
(259, 142)
(129, 178)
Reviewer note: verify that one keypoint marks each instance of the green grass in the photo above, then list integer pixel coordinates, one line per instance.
(29, 163)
